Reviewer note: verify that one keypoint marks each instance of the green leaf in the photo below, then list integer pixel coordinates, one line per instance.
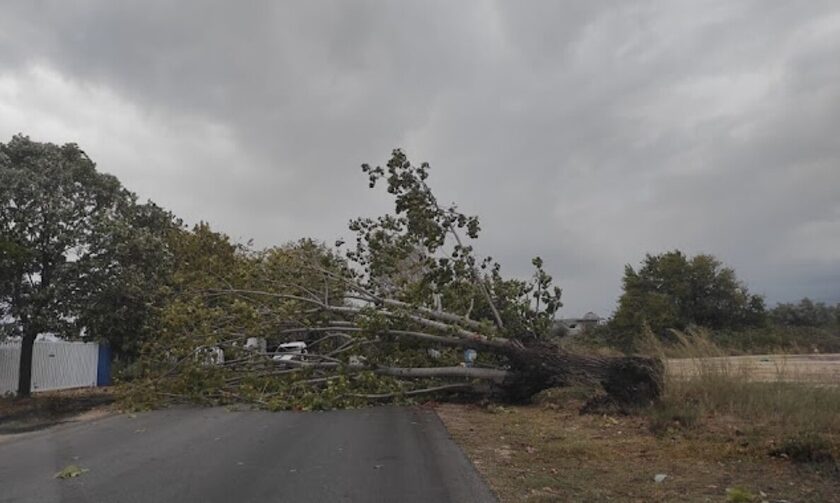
(71, 471)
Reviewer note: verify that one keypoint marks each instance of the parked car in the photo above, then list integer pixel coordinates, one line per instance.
(290, 351)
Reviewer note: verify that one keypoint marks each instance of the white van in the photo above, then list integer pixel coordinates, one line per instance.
(290, 351)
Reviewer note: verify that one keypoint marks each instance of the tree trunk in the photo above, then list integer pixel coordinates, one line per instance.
(27, 345)
(628, 380)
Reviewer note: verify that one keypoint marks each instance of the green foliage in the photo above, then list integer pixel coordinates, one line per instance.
(214, 304)
(779, 338)
(806, 313)
(70, 472)
(219, 294)
(740, 495)
(671, 291)
(80, 257)
(125, 288)
(209, 293)
(419, 255)
(52, 204)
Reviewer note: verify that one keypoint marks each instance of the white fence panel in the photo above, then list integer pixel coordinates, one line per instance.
(59, 365)
(9, 362)
(55, 365)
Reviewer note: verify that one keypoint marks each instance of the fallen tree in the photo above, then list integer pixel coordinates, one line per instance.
(389, 320)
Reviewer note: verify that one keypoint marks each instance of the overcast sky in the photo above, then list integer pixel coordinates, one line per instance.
(588, 133)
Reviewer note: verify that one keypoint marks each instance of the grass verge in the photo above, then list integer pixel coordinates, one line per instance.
(716, 435)
(542, 453)
(49, 408)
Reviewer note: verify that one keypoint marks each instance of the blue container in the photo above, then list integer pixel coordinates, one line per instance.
(103, 367)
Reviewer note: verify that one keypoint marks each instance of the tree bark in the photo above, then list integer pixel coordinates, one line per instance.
(27, 344)
(411, 372)
(628, 380)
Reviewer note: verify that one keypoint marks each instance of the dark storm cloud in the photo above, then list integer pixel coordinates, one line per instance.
(585, 132)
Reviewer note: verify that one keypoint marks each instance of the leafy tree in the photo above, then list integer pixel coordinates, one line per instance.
(806, 313)
(66, 245)
(434, 243)
(672, 291)
(215, 302)
(120, 296)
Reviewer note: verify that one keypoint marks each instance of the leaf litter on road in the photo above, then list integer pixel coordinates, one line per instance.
(71, 471)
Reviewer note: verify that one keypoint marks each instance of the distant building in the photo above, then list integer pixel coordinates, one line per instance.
(575, 326)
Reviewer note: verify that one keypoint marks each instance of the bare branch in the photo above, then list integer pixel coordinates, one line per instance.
(478, 281)
(415, 392)
(431, 313)
(438, 325)
(414, 372)
(324, 338)
(439, 339)
(369, 296)
(314, 301)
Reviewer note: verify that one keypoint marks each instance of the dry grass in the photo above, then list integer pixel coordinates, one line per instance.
(540, 453)
(48, 408)
(812, 368)
(784, 395)
(718, 434)
(780, 406)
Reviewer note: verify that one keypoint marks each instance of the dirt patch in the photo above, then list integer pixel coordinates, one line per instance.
(539, 453)
(46, 409)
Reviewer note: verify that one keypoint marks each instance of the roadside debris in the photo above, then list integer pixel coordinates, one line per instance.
(71, 471)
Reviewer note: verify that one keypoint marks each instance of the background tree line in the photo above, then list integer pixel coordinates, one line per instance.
(674, 292)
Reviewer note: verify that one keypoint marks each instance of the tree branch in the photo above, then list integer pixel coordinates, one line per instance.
(413, 372)
(415, 392)
(438, 325)
(370, 296)
(440, 339)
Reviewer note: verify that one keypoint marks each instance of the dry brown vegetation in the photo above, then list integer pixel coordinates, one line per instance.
(45, 409)
(810, 368)
(721, 432)
(552, 453)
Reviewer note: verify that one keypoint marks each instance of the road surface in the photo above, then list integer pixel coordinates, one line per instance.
(387, 454)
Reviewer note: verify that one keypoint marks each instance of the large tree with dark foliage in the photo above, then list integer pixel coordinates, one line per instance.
(673, 291)
(78, 253)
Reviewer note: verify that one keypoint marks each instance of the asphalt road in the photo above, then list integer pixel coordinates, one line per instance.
(386, 454)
